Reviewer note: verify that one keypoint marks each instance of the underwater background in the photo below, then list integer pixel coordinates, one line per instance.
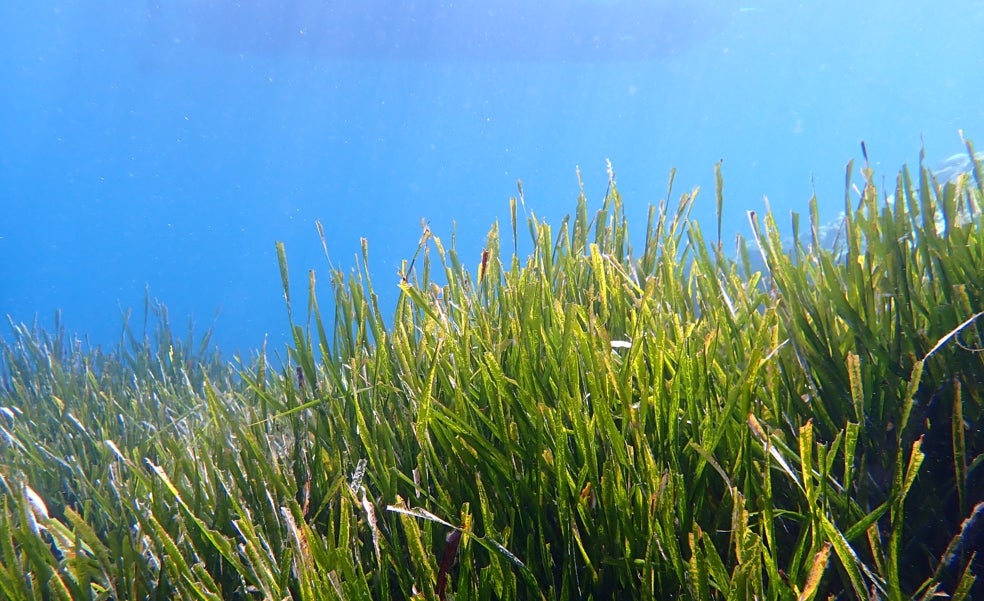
(165, 146)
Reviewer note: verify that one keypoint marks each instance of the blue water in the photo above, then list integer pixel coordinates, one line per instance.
(167, 146)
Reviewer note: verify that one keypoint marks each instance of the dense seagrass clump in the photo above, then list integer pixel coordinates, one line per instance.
(586, 421)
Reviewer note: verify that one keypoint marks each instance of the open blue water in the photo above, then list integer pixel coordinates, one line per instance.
(168, 145)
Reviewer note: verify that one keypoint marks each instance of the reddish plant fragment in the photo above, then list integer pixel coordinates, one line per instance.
(447, 560)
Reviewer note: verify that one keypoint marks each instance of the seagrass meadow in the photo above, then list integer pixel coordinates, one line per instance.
(586, 421)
